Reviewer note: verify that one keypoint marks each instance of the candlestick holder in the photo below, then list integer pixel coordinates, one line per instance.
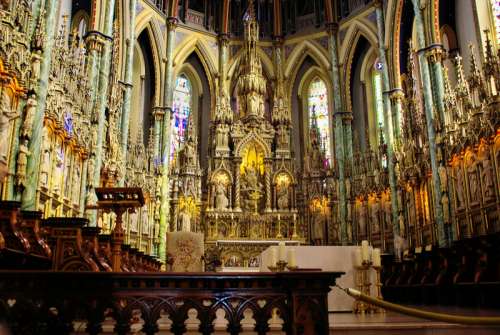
(360, 306)
(272, 268)
(292, 267)
(366, 282)
(378, 285)
(281, 265)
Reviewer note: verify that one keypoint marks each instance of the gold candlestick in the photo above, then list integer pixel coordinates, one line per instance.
(360, 306)
(294, 234)
(378, 285)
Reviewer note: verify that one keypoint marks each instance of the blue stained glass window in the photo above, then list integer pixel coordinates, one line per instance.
(181, 110)
(318, 108)
(495, 4)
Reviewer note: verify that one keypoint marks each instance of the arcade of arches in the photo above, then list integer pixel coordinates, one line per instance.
(322, 122)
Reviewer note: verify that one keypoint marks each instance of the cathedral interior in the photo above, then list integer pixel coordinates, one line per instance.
(253, 123)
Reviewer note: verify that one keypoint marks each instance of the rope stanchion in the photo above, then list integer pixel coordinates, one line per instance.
(458, 319)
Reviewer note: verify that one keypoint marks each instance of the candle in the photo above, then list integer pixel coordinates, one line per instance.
(279, 217)
(216, 216)
(282, 255)
(358, 260)
(273, 256)
(376, 257)
(292, 259)
(364, 251)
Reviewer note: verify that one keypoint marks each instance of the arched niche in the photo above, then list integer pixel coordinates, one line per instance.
(143, 89)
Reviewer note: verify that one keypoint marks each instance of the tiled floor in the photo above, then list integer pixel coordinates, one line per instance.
(394, 324)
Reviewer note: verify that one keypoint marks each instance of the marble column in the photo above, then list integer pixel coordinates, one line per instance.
(339, 129)
(33, 166)
(129, 57)
(388, 129)
(165, 145)
(435, 56)
(429, 116)
(101, 94)
(397, 96)
(83, 186)
(223, 59)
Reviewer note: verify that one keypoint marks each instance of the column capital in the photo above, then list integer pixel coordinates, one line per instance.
(435, 53)
(95, 40)
(397, 95)
(171, 23)
(377, 3)
(332, 28)
(158, 112)
(223, 39)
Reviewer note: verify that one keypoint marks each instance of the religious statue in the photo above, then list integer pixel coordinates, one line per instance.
(362, 219)
(388, 213)
(221, 201)
(374, 216)
(189, 154)
(460, 190)
(6, 117)
(401, 220)
(22, 162)
(28, 118)
(90, 171)
(443, 176)
(446, 208)
(317, 228)
(487, 178)
(282, 195)
(185, 220)
(58, 171)
(251, 186)
(133, 217)
(473, 183)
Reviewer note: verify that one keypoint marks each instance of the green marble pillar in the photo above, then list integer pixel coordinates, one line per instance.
(388, 125)
(102, 88)
(33, 166)
(223, 59)
(129, 57)
(11, 193)
(339, 132)
(397, 110)
(429, 116)
(435, 57)
(165, 148)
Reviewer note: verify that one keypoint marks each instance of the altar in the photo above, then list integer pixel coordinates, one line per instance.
(326, 258)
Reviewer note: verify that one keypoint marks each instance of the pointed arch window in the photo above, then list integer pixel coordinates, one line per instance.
(181, 109)
(495, 5)
(318, 112)
(378, 98)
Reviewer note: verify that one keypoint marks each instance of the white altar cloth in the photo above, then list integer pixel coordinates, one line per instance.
(327, 258)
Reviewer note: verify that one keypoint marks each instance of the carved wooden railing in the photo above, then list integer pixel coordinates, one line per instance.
(43, 302)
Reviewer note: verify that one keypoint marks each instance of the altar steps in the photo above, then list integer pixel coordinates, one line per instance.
(398, 324)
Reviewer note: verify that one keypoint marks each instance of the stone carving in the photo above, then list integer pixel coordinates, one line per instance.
(487, 178)
(185, 220)
(362, 218)
(22, 162)
(318, 228)
(460, 190)
(374, 216)
(283, 197)
(473, 183)
(443, 177)
(28, 119)
(221, 201)
(7, 115)
(446, 208)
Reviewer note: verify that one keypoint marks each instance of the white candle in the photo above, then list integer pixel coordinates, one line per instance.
(282, 255)
(292, 259)
(364, 251)
(358, 261)
(273, 256)
(279, 217)
(376, 257)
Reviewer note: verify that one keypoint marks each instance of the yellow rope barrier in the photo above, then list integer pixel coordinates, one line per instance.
(459, 319)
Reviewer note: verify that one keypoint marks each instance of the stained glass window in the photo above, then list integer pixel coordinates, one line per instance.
(378, 98)
(318, 109)
(181, 109)
(495, 4)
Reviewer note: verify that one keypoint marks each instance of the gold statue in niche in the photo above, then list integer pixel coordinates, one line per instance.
(252, 169)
